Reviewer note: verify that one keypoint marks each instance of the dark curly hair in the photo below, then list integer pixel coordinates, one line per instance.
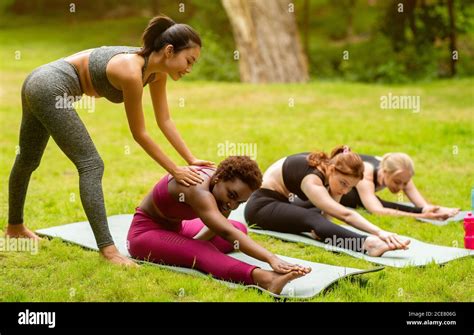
(240, 167)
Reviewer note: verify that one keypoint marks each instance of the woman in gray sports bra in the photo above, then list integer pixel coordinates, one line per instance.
(168, 49)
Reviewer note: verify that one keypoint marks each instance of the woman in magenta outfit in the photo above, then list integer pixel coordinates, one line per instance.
(188, 227)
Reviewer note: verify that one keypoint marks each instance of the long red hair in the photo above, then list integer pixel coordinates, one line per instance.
(342, 158)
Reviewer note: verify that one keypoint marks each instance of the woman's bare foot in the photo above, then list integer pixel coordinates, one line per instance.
(376, 247)
(273, 281)
(111, 254)
(20, 231)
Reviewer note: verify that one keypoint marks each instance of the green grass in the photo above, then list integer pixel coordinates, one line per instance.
(324, 115)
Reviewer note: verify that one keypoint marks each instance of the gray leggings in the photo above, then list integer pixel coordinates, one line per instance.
(43, 117)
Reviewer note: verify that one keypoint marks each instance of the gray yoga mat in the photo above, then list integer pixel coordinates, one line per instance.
(321, 276)
(419, 254)
(458, 217)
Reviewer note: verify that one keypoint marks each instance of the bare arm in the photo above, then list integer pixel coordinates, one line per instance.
(366, 190)
(414, 195)
(164, 121)
(204, 205)
(429, 211)
(132, 93)
(312, 187)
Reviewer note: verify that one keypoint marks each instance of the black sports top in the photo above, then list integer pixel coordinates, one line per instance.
(375, 163)
(294, 169)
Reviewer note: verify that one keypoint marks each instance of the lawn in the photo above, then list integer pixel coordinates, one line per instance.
(280, 120)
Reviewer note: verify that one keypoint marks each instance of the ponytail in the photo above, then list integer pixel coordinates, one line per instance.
(342, 158)
(162, 30)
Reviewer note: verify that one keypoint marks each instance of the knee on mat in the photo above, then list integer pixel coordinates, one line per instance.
(239, 225)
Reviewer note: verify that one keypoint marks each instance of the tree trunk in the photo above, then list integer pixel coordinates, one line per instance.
(350, 20)
(452, 38)
(267, 39)
(306, 27)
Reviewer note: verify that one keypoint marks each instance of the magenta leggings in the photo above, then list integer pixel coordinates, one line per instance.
(173, 244)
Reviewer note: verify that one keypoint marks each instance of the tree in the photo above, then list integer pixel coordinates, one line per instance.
(269, 49)
(452, 38)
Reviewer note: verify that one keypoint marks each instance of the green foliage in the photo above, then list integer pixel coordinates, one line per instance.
(384, 45)
(387, 47)
(216, 61)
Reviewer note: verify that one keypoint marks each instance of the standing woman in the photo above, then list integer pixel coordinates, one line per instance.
(119, 74)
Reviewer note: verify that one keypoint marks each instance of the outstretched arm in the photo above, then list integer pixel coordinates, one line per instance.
(313, 188)
(375, 205)
(431, 210)
(165, 123)
(204, 205)
(132, 89)
(414, 195)
(132, 95)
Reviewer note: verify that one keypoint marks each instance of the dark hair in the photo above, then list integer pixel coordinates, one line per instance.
(162, 30)
(240, 167)
(342, 158)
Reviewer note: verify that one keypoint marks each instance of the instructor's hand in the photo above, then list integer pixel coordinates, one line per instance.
(187, 175)
(200, 162)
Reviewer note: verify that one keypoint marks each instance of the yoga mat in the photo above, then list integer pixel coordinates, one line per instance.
(419, 254)
(321, 276)
(458, 217)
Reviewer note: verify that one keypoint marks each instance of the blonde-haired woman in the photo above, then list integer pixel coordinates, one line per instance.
(394, 171)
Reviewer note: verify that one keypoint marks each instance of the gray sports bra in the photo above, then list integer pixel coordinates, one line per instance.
(98, 60)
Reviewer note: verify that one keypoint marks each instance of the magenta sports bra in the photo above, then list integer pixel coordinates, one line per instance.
(170, 207)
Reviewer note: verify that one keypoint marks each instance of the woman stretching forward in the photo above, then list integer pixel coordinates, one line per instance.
(322, 180)
(394, 171)
(177, 225)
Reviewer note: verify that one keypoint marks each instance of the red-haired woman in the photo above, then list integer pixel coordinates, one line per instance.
(322, 179)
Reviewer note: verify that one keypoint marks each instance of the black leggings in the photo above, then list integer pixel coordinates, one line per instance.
(272, 211)
(352, 199)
